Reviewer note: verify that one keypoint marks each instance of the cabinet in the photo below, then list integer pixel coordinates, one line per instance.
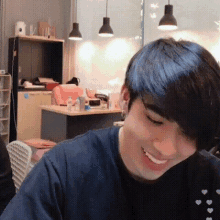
(5, 94)
(31, 57)
(29, 113)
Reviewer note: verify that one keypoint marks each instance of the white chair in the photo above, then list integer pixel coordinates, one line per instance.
(118, 123)
(20, 157)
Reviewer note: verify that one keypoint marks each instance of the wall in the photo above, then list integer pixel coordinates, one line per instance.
(32, 11)
(196, 22)
(96, 60)
(100, 63)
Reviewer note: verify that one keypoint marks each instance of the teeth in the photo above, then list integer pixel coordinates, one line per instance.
(154, 159)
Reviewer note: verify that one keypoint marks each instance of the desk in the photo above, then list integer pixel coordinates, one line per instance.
(58, 124)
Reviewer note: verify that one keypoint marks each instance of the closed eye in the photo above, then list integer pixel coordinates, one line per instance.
(155, 122)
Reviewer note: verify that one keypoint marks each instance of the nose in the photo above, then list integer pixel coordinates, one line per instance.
(167, 143)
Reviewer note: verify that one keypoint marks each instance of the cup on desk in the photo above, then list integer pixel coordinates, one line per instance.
(82, 102)
(113, 101)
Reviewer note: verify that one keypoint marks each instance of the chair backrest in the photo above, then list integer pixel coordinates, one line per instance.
(20, 158)
(61, 93)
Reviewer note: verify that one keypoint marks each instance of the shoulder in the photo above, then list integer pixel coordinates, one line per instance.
(92, 140)
(204, 184)
(204, 168)
(90, 149)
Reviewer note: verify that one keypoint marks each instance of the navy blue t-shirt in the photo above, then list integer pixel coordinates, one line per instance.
(85, 178)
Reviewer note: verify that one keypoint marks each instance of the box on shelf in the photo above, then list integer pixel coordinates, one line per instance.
(50, 86)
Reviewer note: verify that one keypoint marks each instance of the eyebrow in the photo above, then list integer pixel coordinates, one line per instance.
(156, 109)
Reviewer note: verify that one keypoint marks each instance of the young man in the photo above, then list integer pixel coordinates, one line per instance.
(153, 167)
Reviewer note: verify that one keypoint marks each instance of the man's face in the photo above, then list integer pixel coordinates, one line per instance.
(150, 144)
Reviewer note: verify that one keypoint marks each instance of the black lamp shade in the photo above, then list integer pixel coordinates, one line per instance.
(75, 33)
(106, 30)
(168, 19)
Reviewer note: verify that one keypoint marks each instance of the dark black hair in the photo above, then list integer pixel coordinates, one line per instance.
(74, 80)
(183, 79)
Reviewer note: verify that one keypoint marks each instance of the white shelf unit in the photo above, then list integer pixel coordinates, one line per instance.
(5, 96)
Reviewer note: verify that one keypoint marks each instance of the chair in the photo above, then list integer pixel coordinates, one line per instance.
(38, 147)
(61, 93)
(20, 157)
(215, 150)
(118, 123)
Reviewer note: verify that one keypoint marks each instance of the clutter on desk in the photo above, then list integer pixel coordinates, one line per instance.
(25, 84)
(113, 101)
(87, 107)
(82, 102)
(48, 83)
(90, 93)
(94, 102)
(102, 97)
(95, 99)
(61, 93)
(110, 101)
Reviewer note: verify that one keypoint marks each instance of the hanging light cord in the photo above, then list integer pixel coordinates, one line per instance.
(76, 10)
(106, 7)
(168, 2)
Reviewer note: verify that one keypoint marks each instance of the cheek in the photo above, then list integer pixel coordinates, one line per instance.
(187, 148)
(138, 128)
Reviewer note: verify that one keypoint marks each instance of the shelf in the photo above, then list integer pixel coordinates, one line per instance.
(4, 119)
(5, 75)
(36, 56)
(5, 90)
(40, 38)
(3, 133)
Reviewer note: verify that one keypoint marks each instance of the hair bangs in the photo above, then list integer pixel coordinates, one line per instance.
(183, 80)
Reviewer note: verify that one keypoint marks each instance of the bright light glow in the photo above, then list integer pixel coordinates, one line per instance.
(154, 6)
(104, 91)
(137, 37)
(153, 15)
(86, 51)
(218, 23)
(115, 82)
(75, 38)
(106, 35)
(117, 50)
(215, 48)
(167, 27)
(186, 35)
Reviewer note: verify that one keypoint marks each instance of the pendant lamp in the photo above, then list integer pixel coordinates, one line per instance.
(75, 33)
(106, 30)
(168, 21)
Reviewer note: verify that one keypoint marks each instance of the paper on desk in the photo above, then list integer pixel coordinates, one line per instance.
(46, 80)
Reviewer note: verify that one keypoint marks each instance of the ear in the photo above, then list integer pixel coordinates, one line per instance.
(124, 99)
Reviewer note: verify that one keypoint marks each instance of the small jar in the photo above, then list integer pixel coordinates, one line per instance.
(69, 104)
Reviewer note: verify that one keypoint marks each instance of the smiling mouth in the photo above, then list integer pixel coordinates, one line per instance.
(153, 159)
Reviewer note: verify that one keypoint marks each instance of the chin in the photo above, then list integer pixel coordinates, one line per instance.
(152, 175)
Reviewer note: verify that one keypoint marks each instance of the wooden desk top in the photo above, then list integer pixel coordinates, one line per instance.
(63, 110)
